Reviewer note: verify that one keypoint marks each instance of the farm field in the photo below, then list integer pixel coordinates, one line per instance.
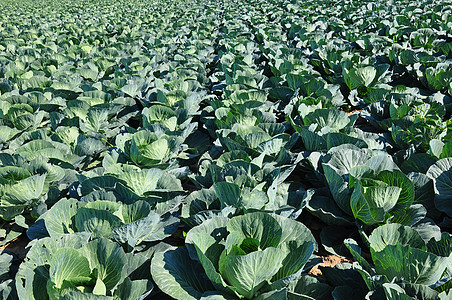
(225, 149)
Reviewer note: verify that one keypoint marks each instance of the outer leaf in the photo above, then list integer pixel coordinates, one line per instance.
(178, 276)
(339, 189)
(297, 255)
(260, 226)
(370, 204)
(397, 178)
(441, 173)
(332, 118)
(108, 258)
(133, 290)
(395, 234)
(24, 191)
(411, 264)
(248, 273)
(99, 222)
(69, 265)
(148, 229)
(308, 286)
(84, 296)
(294, 231)
(229, 194)
(365, 75)
(58, 220)
(207, 237)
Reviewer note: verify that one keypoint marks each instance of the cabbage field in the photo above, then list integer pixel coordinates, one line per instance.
(262, 149)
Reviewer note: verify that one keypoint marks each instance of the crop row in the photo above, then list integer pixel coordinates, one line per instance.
(184, 149)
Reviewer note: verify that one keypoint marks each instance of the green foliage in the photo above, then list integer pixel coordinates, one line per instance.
(221, 128)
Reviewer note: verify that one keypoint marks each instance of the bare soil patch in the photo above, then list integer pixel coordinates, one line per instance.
(328, 261)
